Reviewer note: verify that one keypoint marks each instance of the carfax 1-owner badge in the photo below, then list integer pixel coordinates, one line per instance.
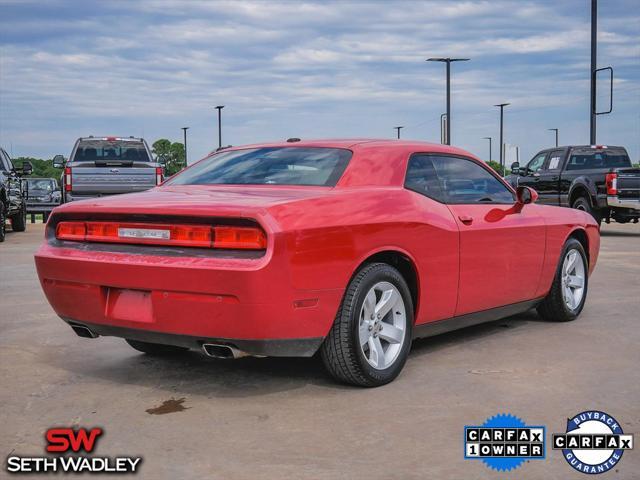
(593, 442)
(503, 442)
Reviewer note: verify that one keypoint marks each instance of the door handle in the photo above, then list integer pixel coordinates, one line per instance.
(466, 219)
(555, 179)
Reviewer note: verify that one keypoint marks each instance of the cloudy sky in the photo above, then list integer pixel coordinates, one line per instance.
(343, 69)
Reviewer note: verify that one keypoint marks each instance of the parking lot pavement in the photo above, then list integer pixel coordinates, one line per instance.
(284, 418)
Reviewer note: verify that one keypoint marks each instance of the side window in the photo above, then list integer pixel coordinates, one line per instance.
(536, 163)
(422, 178)
(554, 161)
(455, 180)
(586, 160)
(5, 166)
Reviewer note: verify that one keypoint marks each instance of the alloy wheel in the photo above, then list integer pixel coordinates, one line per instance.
(383, 325)
(573, 279)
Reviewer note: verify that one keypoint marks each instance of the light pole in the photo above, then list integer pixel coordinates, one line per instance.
(184, 131)
(448, 61)
(594, 61)
(443, 129)
(489, 138)
(219, 108)
(554, 130)
(398, 129)
(502, 105)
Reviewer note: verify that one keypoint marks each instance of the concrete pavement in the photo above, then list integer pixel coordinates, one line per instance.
(195, 417)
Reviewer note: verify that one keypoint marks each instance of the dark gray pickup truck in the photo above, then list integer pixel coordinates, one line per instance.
(100, 166)
(598, 179)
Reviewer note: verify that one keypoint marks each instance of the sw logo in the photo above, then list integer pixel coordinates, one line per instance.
(503, 442)
(65, 439)
(593, 442)
(69, 441)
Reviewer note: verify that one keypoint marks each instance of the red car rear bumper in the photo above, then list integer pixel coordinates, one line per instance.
(184, 300)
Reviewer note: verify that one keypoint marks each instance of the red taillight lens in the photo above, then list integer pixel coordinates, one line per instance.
(71, 231)
(67, 179)
(159, 176)
(612, 183)
(101, 231)
(245, 238)
(190, 235)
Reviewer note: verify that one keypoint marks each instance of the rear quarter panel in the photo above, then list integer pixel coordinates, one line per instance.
(329, 237)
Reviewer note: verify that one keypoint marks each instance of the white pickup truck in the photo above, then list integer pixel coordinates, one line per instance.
(100, 166)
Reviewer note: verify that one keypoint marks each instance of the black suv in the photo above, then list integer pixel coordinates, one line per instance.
(598, 179)
(13, 194)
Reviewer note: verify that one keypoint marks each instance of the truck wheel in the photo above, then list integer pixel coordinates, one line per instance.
(155, 348)
(565, 300)
(371, 336)
(19, 220)
(3, 222)
(584, 204)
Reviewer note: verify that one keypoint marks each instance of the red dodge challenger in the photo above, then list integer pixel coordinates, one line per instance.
(349, 247)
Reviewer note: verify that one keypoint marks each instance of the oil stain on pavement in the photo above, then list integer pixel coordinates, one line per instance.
(168, 406)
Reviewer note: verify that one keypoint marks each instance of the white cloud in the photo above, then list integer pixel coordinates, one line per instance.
(335, 68)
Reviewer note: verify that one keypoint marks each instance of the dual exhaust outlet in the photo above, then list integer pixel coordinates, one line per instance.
(217, 350)
(214, 350)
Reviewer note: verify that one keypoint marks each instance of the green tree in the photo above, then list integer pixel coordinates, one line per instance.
(496, 166)
(171, 155)
(41, 168)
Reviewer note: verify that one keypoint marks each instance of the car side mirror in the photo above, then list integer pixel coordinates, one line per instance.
(515, 168)
(27, 168)
(58, 161)
(526, 195)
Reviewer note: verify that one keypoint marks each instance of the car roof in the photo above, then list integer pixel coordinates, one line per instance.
(357, 144)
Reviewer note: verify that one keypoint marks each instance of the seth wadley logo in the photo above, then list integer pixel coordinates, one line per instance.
(67, 440)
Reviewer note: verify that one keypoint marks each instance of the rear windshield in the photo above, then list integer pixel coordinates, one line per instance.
(46, 184)
(587, 159)
(92, 150)
(268, 166)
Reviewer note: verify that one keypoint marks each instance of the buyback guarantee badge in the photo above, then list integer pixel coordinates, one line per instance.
(503, 442)
(593, 442)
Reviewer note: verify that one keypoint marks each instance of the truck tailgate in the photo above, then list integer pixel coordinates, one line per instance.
(112, 179)
(628, 184)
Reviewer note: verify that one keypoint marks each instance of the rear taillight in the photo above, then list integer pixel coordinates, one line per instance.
(239, 237)
(227, 237)
(67, 179)
(612, 183)
(71, 231)
(159, 176)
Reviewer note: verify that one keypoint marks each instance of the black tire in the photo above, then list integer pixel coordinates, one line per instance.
(341, 352)
(553, 308)
(3, 222)
(155, 348)
(19, 220)
(584, 204)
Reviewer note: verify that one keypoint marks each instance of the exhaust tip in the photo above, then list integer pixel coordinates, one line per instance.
(216, 350)
(82, 331)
